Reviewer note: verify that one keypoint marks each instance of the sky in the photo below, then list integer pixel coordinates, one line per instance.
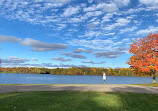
(79, 33)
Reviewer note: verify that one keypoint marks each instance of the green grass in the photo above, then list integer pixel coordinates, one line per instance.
(78, 101)
(151, 84)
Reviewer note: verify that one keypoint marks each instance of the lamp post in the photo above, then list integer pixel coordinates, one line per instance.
(104, 77)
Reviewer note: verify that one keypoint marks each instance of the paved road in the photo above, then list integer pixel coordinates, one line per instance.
(80, 87)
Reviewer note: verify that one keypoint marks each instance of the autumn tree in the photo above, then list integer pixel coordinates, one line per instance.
(145, 55)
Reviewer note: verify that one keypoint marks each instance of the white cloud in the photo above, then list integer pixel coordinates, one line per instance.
(149, 2)
(91, 62)
(42, 46)
(61, 59)
(14, 60)
(107, 17)
(93, 44)
(111, 7)
(121, 3)
(54, 3)
(34, 59)
(90, 1)
(24, 10)
(91, 14)
(69, 54)
(75, 20)
(4, 38)
(98, 44)
(150, 29)
(125, 40)
(89, 51)
(90, 34)
(128, 29)
(119, 22)
(117, 43)
(70, 11)
(112, 33)
(79, 50)
(133, 10)
(17, 59)
(108, 54)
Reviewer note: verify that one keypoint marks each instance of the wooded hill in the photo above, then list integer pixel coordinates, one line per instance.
(76, 71)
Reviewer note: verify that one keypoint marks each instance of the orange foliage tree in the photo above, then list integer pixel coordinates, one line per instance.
(145, 54)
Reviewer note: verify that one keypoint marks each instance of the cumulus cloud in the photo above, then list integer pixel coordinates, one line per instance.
(4, 38)
(79, 50)
(98, 44)
(121, 49)
(149, 2)
(107, 17)
(93, 44)
(78, 56)
(121, 3)
(72, 65)
(70, 54)
(91, 62)
(95, 13)
(128, 29)
(90, 14)
(107, 7)
(90, 1)
(89, 51)
(42, 46)
(46, 65)
(150, 29)
(112, 33)
(50, 65)
(119, 22)
(90, 34)
(108, 54)
(14, 60)
(25, 10)
(61, 59)
(22, 62)
(34, 59)
(87, 62)
(75, 20)
(91, 26)
(70, 11)
(112, 6)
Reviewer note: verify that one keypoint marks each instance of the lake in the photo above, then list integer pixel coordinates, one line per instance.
(69, 79)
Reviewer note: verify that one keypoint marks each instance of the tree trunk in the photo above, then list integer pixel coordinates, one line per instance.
(154, 78)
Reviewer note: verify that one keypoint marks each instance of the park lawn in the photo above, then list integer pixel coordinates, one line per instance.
(78, 101)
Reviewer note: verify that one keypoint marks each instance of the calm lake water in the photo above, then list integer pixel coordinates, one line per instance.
(68, 79)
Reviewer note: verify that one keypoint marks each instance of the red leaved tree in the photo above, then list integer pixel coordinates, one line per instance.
(145, 54)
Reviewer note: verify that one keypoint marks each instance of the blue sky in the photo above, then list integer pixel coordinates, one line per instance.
(66, 33)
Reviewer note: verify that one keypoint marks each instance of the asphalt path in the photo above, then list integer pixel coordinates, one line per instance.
(81, 87)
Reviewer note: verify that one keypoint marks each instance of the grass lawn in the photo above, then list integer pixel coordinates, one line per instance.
(78, 101)
(151, 84)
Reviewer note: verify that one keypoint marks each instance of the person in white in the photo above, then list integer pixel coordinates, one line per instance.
(104, 77)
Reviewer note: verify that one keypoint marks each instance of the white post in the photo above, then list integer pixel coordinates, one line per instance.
(104, 77)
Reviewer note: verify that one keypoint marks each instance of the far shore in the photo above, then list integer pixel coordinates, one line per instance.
(80, 74)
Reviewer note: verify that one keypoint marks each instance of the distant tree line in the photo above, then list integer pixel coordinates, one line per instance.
(77, 71)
